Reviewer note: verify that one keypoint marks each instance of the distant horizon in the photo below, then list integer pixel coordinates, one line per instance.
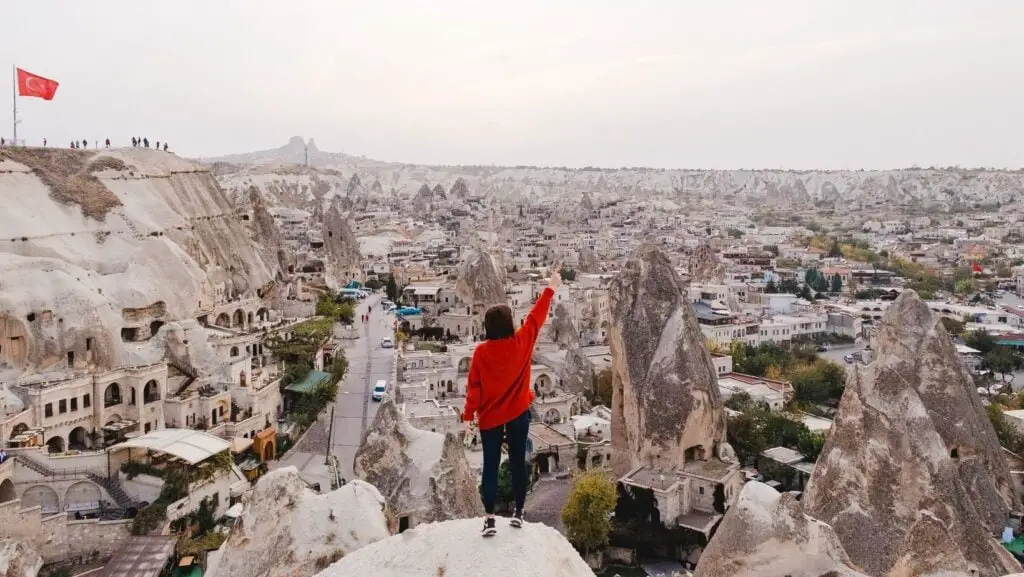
(319, 149)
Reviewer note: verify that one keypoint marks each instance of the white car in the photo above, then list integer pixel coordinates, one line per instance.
(379, 389)
(387, 343)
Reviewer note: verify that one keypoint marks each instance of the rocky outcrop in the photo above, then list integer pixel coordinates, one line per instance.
(480, 280)
(18, 560)
(703, 266)
(266, 235)
(423, 475)
(912, 477)
(66, 276)
(766, 534)
(561, 328)
(459, 189)
(588, 262)
(577, 372)
(454, 549)
(287, 530)
(424, 199)
(341, 244)
(666, 402)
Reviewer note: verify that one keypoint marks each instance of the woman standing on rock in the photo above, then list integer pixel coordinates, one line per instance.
(498, 393)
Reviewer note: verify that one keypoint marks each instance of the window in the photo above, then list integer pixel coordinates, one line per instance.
(62, 406)
(48, 410)
(74, 403)
(88, 343)
(701, 490)
(85, 401)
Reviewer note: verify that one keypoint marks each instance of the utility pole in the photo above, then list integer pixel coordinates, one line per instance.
(14, 98)
(306, 146)
(330, 437)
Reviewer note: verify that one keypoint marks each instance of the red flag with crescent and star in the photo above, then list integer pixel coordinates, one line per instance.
(34, 85)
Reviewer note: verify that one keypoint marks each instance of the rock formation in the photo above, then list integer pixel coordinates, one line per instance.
(459, 189)
(267, 236)
(341, 244)
(481, 281)
(664, 385)
(17, 560)
(577, 372)
(912, 477)
(287, 530)
(422, 475)
(454, 549)
(588, 262)
(766, 534)
(561, 328)
(171, 244)
(424, 199)
(703, 266)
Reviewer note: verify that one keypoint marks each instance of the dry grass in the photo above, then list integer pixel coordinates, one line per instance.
(68, 175)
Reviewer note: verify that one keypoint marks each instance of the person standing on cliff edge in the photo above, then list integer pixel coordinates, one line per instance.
(498, 394)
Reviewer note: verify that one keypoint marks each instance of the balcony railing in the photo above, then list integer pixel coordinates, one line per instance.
(150, 398)
(112, 402)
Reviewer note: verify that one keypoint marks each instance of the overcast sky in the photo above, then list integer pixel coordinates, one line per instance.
(666, 83)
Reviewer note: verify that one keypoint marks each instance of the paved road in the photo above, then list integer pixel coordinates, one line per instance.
(837, 352)
(367, 363)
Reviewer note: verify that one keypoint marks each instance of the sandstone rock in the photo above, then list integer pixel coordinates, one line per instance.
(267, 236)
(560, 328)
(766, 534)
(341, 244)
(577, 373)
(665, 388)
(912, 477)
(422, 475)
(704, 267)
(455, 549)
(459, 189)
(481, 280)
(18, 560)
(287, 530)
(424, 199)
(588, 261)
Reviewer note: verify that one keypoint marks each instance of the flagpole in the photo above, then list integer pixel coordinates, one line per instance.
(14, 98)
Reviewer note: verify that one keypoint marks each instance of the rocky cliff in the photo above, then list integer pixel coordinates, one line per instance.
(664, 387)
(455, 549)
(422, 475)
(766, 534)
(94, 242)
(481, 280)
(912, 477)
(343, 261)
(561, 329)
(287, 530)
(577, 372)
(17, 560)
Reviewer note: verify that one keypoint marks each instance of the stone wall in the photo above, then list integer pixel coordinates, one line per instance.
(55, 537)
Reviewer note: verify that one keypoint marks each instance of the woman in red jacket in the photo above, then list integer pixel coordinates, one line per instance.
(499, 395)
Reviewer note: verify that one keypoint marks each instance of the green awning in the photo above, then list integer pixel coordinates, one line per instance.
(1010, 342)
(192, 571)
(306, 385)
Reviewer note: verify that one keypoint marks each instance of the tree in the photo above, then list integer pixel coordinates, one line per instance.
(1004, 361)
(392, 289)
(789, 286)
(586, 513)
(773, 372)
(770, 287)
(835, 251)
(837, 283)
(810, 443)
(964, 287)
(981, 340)
(568, 274)
(819, 382)
(952, 326)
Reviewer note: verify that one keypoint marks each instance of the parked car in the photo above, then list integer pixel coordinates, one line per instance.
(848, 359)
(823, 348)
(379, 389)
(387, 343)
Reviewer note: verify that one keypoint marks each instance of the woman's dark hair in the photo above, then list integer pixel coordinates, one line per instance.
(498, 323)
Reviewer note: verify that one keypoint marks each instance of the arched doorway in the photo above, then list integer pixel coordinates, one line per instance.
(18, 429)
(79, 439)
(542, 384)
(552, 417)
(81, 496)
(464, 365)
(151, 392)
(263, 315)
(112, 395)
(41, 496)
(223, 320)
(7, 491)
(234, 352)
(269, 451)
(239, 319)
(55, 445)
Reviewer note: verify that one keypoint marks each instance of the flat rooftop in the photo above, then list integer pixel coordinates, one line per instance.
(140, 556)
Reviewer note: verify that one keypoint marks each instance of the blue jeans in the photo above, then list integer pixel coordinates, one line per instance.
(515, 433)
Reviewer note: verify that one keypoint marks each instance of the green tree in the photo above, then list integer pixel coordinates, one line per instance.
(586, 513)
(1007, 433)
(391, 288)
(789, 286)
(964, 287)
(837, 283)
(980, 340)
(568, 274)
(835, 251)
(810, 444)
(770, 287)
(1002, 360)
(952, 326)
(819, 382)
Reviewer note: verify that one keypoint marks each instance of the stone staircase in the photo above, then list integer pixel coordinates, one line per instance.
(111, 484)
(114, 489)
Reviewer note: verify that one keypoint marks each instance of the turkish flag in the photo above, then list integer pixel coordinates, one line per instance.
(32, 85)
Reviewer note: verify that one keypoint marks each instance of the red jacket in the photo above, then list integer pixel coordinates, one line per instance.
(499, 374)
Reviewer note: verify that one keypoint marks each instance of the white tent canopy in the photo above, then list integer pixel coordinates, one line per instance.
(185, 444)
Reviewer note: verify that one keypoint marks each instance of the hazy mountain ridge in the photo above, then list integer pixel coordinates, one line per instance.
(942, 187)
